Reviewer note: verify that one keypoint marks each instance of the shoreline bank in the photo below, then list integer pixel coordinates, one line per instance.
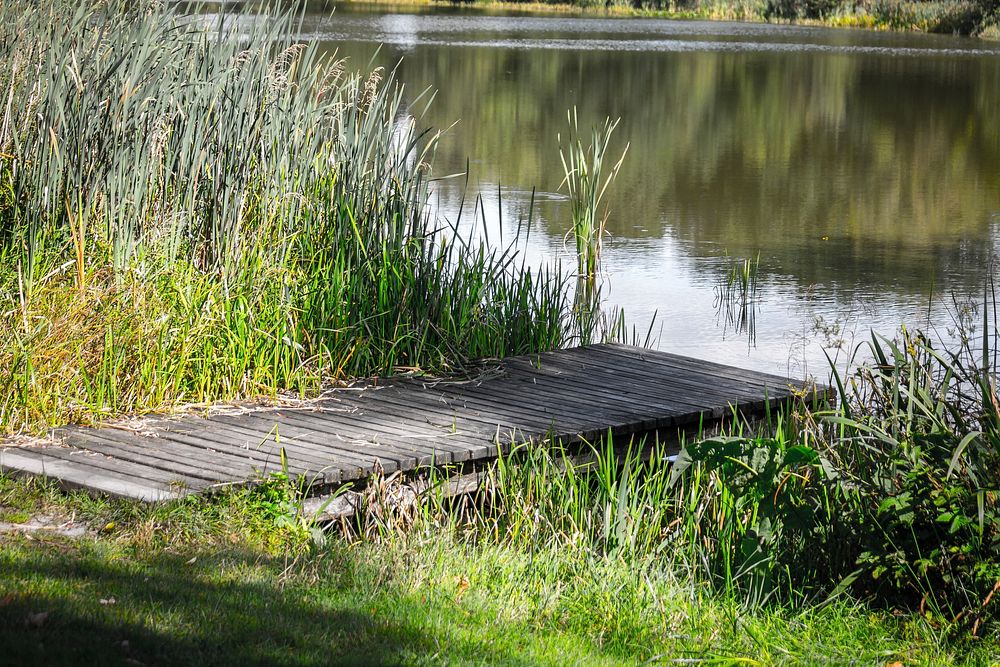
(967, 19)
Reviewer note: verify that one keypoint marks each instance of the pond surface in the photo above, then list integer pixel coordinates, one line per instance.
(863, 168)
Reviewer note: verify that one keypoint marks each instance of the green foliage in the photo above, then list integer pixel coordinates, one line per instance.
(754, 511)
(963, 17)
(586, 185)
(960, 17)
(918, 437)
(278, 500)
(893, 495)
(736, 298)
(753, 518)
(799, 9)
(7, 201)
(612, 501)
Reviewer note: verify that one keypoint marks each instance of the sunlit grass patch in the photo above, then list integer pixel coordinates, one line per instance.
(208, 589)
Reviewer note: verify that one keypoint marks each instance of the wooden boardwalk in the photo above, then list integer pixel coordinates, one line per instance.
(403, 424)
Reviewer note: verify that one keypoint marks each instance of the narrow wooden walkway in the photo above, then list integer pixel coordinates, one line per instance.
(403, 424)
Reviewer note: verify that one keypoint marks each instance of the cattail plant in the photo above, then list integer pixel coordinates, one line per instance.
(586, 184)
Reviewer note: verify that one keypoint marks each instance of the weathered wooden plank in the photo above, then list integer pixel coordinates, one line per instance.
(584, 389)
(508, 411)
(95, 443)
(448, 417)
(374, 417)
(78, 474)
(321, 450)
(197, 430)
(242, 430)
(609, 361)
(273, 432)
(113, 441)
(704, 388)
(653, 406)
(437, 411)
(571, 412)
(520, 403)
(415, 424)
(401, 450)
(318, 446)
(364, 444)
(573, 399)
(120, 467)
(657, 401)
(124, 469)
(263, 459)
(706, 368)
(492, 411)
(688, 384)
(406, 436)
(720, 400)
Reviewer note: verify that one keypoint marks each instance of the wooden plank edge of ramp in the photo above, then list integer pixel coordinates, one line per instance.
(73, 476)
(328, 506)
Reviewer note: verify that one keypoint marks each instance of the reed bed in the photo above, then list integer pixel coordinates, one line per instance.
(198, 208)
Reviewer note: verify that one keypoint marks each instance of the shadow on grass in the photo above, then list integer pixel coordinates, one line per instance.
(222, 609)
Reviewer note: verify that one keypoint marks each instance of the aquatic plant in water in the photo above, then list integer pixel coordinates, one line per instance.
(736, 300)
(586, 184)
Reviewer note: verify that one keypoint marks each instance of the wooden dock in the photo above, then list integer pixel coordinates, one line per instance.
(406, 423)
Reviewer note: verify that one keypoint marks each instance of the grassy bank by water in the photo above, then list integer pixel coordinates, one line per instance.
(961, 17)
(188, 587)
(541, 568)
(863, 534)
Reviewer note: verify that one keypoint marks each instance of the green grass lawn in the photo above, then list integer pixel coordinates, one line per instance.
(224, 582)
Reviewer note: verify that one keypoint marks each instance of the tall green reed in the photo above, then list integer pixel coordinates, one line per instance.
(916, 440)
(738, 513)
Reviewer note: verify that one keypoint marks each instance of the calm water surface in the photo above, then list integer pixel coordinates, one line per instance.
(864, 168)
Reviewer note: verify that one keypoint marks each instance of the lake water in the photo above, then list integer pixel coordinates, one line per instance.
(863, 168)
